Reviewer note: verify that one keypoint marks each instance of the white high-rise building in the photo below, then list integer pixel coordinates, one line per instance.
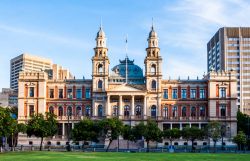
(229, 50)
(26, 62)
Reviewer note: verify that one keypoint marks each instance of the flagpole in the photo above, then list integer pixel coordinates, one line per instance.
(126, 49)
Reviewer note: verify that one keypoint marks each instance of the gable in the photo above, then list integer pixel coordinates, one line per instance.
(125, 88)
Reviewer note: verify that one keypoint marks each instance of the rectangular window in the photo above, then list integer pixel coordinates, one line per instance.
(87, 93)
(70, 93)
(223, 92)
(202, 93)
(31, 91)
(165, 93)
(174, 94)
(31, 110)
(183, 93)
(193, 93)
(51, 93)
(222, 110)
(60, 93)
(79, 93)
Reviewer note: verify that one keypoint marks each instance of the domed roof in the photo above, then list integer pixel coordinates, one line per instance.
(100, 33)
(152, 33)
(133, 71)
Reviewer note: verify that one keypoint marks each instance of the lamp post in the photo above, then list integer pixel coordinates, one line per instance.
(68, 124)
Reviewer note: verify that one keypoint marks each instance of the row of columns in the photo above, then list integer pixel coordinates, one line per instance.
(108, 109)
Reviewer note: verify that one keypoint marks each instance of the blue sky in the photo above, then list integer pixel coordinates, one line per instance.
(65, 31)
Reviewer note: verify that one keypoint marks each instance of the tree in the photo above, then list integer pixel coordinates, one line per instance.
(42, 126)
(171, 134)
(243, 123)
(240, 139)
(149, 131)
(6, 124)
(192, 134)
(111, 129)
(86, 130)
(128, 134)
(214, 132)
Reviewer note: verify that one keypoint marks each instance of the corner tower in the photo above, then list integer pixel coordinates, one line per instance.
(153, 61)
(100, 63)
(153, 72)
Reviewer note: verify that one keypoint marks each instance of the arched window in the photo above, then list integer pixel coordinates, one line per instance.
(153, 53)
(174, 111)
(126, 110)
(153, 69)
(78, 111)
(153, 85)
(100, 111)
(193, 112)
(100, 68)
(69, 111)
(165, 111)
(51, 109)
(202, 111)
(60, 111)
(138, 111)
(100, 84)
(115, 110)
(88, 111)
(153, 111)
(184, 112)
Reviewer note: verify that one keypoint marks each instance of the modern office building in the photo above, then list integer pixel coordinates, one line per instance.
(229, 50)
(26, 62)
(128, 93)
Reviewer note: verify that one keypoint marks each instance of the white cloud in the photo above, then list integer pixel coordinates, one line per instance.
(54, 38)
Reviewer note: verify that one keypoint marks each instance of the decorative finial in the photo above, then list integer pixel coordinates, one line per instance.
(101, 24)
(152, 23)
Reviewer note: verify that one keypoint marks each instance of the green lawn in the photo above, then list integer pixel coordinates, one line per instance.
(102, 156)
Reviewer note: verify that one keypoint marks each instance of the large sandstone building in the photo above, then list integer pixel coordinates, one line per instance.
(128, 93)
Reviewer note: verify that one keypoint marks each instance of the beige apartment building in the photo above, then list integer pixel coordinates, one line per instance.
(229, 50)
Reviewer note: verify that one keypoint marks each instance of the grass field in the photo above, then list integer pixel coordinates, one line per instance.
(102, 156)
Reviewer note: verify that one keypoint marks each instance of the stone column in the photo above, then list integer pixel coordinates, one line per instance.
(133, 107)
(108, 109)
(120, 106)
(145, 108)
(63, 130)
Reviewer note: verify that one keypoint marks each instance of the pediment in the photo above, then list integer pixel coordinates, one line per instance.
(125, 88)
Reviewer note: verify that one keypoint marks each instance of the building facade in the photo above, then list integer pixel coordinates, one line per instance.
(129, 94)
(229, 50)
(8, 98)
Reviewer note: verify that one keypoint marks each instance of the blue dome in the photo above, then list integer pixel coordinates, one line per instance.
(135, 73)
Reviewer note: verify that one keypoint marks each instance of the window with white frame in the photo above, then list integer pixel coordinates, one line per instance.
(223, 92)
(202, 93)
(193, 93)
(165, 93)
(174, 94)
(183, 93)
